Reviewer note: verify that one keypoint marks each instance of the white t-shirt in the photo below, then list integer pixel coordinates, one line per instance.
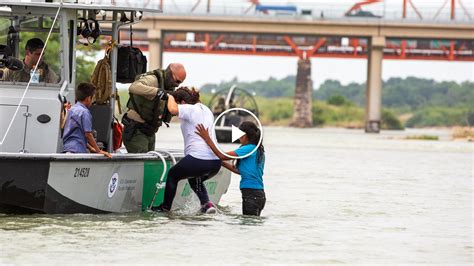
(190, 115)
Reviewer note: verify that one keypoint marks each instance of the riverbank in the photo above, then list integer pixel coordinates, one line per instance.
(335, 114)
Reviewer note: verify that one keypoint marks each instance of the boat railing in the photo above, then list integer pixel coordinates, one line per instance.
(168, 155)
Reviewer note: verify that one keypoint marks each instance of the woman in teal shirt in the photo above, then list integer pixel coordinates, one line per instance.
(249, 168)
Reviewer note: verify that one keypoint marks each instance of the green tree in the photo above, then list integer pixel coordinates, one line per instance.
(390, 121)
(438, 116)
(337, 100)
(4, 24)
(431, 103)
(84, 64)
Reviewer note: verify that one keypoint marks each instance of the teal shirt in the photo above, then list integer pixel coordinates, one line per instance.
(250, 171)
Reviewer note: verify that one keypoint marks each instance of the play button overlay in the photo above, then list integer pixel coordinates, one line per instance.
(226, 127)
(236, 133)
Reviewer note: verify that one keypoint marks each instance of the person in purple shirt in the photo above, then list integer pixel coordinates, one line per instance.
(78, 136)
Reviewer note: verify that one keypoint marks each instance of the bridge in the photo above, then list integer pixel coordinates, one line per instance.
(314, 34)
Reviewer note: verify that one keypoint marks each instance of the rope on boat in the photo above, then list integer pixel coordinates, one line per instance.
(160, 184)
(31, 77)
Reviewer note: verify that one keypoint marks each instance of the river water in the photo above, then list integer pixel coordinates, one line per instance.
(333, 196)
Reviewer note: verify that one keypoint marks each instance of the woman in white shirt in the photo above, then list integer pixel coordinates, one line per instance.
(199, 162)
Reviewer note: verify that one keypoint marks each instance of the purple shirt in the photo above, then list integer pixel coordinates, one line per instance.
(78, 122)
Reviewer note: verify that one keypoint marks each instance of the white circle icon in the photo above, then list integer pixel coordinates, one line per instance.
(237, 133)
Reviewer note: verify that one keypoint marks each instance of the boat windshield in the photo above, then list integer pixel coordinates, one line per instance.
(22, 39)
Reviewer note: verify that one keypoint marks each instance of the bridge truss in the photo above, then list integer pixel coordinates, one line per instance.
(307, 46)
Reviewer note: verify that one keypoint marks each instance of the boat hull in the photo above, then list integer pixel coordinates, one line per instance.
(64, 184)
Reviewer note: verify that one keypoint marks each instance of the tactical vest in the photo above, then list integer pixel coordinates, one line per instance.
(150, 110)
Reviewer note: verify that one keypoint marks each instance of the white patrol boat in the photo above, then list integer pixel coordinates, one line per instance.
(35, 176)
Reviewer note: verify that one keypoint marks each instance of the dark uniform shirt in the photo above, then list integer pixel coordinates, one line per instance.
(45, 74)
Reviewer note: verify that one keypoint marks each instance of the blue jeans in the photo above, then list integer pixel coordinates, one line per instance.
(196, 171)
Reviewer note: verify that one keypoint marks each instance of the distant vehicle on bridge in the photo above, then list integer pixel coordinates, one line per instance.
(279, 10)
(226, 99)
(362, 13)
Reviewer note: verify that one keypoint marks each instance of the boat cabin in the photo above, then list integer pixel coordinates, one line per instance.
(30, 110)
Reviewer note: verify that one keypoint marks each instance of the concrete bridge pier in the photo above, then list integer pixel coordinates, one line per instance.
(302, 109)
(373, 95)
(155, 51)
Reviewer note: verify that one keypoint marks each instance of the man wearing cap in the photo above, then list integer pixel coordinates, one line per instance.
(147, 106)
(43, 73)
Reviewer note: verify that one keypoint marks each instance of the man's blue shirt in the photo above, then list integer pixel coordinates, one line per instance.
(250, 171)
(78, 122)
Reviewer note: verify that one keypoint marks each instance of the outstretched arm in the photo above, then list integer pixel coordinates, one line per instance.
(204, 134)
(91, 142)
(231, 167)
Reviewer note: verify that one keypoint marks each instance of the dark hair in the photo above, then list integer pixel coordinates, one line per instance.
(189, 96)
(33, 44)
(84, 90)
(253, 134)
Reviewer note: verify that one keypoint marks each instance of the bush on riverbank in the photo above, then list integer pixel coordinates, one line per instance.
(414, 99)
(279, 112)
(390, 121)
(422, 137)
(347, 115)
(439, 116)
(338, 100)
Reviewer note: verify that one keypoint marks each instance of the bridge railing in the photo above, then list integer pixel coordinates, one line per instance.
(433, 13)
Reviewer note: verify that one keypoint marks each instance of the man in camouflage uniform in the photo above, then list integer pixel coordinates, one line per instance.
(32, 53)
(147, 106)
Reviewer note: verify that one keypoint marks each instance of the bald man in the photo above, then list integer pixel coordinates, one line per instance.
(147, 106)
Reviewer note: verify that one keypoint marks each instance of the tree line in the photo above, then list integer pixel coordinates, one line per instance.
(421, 102)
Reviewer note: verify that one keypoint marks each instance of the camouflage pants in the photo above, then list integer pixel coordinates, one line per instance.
(139, 142)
